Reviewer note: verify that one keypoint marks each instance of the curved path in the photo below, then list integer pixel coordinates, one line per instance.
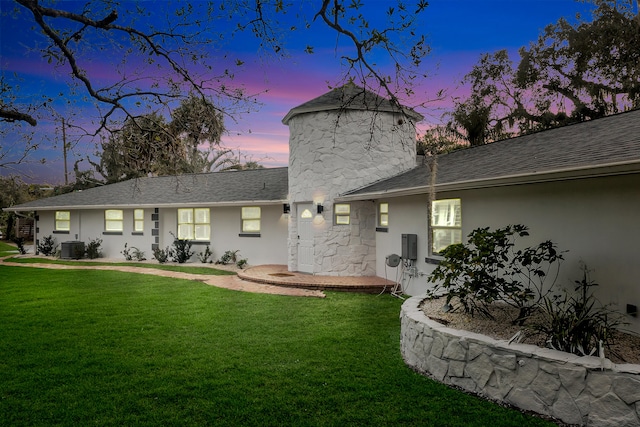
(226, 282)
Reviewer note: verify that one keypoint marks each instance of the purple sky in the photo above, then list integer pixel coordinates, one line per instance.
(458, 32)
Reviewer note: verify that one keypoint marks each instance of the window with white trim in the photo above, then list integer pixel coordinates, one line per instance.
(251, 219)
(446, 224)
(63, 221)
(194, 224)
(138, 220)
(383, 215)
(113, 220)
(342, 213)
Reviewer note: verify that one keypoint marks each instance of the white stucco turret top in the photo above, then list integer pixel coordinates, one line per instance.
(351, 97)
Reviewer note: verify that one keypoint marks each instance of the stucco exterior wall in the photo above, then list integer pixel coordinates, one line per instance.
(595, 220)
(336, 151)
(269, 248)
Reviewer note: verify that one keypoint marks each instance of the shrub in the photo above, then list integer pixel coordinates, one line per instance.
(577, 323)
(19, 241)
(229, 257)
(161, 255)
(93, 248)
(181, 251)
(489, 268)
(204, 256)
(242, 263)
(132, 253)
(47, 246)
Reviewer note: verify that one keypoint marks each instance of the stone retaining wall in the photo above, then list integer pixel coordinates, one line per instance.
(577, 390)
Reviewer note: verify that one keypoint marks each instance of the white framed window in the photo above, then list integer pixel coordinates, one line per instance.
(342, 213)
(194, 224)
(63, 221)
(251, 219)
(138, 220)
(446, 224)
(383, 214)
(113, 220)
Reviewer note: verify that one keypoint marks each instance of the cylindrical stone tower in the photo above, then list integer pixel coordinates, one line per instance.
(340, 141)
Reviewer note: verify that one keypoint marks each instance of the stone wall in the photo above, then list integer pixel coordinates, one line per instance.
(577, 390)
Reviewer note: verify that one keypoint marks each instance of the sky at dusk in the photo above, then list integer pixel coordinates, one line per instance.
(458, 31)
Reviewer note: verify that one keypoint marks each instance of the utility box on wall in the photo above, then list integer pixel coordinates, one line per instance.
(410, 246)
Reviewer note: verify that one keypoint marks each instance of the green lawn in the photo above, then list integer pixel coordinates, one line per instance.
(6, 249)
(110, 348)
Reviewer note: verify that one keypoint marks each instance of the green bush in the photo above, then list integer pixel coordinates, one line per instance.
(204, 256)
(577, 323)
(229, 257)
(93, 248)
(181, 251)
(161, 255)
(47, 246)
(489, 269)
(132, 253)
(19, 241)
(242, 263)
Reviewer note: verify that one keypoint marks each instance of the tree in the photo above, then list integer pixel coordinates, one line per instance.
(572, 73)
(173, 53)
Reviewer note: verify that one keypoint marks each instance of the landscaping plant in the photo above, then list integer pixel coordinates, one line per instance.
(181, 251)
(47, 246)
(577, 323)
(161, 255)
(489, 268)
(204, 256)
(93, 249)
(19, 241)
(229, 257)
(132, 253)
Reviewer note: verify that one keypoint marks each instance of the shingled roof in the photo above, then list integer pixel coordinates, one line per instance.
(259, 186)
(349, 97)
(605, 146)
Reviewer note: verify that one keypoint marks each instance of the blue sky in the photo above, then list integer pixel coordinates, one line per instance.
(458, 31)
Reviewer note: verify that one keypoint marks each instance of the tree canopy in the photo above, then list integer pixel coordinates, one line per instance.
(163, 55)
(574, 72)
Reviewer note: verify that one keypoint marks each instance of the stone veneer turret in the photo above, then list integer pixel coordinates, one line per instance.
(341, 141)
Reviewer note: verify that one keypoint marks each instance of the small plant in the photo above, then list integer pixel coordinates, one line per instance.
(489, 269)
(161, 255)
(204, 256)
(47, 246)
(19, 241)
(242, 263)
(181, 251)
(229, 257)
(132, 253)
(93, 248)
(577, 323)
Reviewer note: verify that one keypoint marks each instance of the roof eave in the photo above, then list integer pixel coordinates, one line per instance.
(611, 169)
(150, 206)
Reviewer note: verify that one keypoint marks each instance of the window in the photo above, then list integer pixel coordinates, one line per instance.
(194, 224)
(446, 224)
(342, 212)
(113, 220)
(383, 215)
(138, 220)
(251, 219)
(63, 220)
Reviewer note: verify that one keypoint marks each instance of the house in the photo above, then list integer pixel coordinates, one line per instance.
(353, 195)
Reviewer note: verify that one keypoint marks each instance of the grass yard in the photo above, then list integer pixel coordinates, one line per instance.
(6, 249)
(110, 348)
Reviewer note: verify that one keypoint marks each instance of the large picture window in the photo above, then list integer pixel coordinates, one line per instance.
(63, 221)
(251, 219)
(446, 224)
(194, 224)
(113, 220)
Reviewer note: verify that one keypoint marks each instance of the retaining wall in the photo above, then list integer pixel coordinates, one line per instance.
(577, 390)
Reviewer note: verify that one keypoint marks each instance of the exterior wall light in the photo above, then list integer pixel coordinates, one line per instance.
(320, 209)
(286, 208)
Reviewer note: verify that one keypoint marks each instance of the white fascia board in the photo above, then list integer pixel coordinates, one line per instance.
(612, 169)
(151, 206)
